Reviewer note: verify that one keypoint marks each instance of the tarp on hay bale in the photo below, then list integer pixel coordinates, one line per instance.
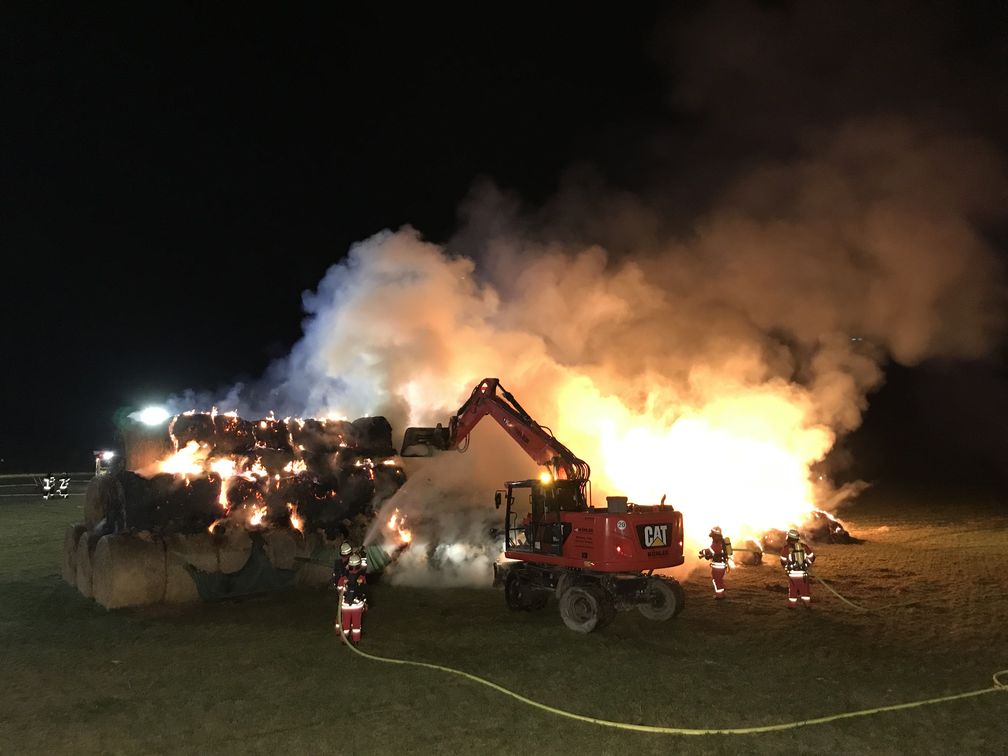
(128, 571)
(233, 548)
(85, 551)
(70, 541)
(256, 576)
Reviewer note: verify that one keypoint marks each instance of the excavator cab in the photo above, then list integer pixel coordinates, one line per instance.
(532, 517)
(423, 442)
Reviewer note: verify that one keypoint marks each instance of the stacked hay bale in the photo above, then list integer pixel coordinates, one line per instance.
(83, 561)
(162, 536)
(128, 570)
(70, 541)
(182, 551)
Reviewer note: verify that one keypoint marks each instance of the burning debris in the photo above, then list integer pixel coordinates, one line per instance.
(286, 492)
(820, 526)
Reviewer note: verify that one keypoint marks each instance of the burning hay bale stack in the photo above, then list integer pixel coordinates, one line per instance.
(238, 505)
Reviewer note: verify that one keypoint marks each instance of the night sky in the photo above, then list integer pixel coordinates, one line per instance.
(163, 167)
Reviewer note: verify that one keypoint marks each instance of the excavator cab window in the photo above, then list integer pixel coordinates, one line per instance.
(519, 518)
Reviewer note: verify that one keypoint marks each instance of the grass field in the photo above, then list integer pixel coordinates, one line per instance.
(267, 675)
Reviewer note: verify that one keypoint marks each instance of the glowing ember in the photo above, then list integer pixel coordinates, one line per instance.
(215, 523)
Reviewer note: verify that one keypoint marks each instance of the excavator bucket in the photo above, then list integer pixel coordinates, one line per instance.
(423, 442)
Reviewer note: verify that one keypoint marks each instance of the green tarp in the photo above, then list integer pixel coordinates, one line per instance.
(257, 576)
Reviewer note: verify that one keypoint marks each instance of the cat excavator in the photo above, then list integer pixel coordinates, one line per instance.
(595, 561)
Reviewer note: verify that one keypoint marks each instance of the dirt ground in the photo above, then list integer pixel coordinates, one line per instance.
(266, 674)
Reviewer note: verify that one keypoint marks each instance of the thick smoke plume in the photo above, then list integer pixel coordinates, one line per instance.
(715, 359)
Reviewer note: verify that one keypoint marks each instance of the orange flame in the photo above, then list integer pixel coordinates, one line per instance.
(296, 521)
(258, 514)
(397, 526)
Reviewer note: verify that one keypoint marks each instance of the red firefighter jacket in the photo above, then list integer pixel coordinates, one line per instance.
(717, 553)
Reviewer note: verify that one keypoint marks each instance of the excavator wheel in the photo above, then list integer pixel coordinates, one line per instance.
(666, 599)
(607, 606)
(566, 580)
(582, 608)
(520, 596)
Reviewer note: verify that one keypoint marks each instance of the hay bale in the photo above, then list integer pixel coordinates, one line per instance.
(272, 434)
(373, 436)
(195, 426)
(281, 547)
(232, 435)
(311, 573)
(103, 494)
(748, 553)
(181, 551)
(70, 540)
(233, 548)
(196, 549)
(128, 571)
(83, 558)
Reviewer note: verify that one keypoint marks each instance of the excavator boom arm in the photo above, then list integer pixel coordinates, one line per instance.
(490, 398)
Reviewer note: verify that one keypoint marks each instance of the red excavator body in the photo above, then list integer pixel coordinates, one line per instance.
(595, 560)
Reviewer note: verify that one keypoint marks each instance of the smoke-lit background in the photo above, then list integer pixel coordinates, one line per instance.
(718, 212)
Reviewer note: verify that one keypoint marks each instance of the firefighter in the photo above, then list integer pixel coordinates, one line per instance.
(354, 603)
(340, 565)
(796, 559)
(720, 556)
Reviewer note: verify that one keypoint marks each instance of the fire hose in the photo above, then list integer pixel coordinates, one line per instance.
(997, 685)
(836, 593)
(859, 607)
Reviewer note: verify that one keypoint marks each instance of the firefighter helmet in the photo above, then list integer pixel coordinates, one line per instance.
(355, 560)
(345, 548)
(715, 532)
(792, 535)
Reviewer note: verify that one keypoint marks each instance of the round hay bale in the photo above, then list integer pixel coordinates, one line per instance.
(281, 547)
(83, 556)
(128, 571)
(233, 549)
(181, 551)
(196, 549)
(314, 574)
(70, 540)
(748, 553)
(103, 494)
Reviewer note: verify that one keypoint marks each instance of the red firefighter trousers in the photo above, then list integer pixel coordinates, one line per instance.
(717, 572)
(350, 619)
(798, 588)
